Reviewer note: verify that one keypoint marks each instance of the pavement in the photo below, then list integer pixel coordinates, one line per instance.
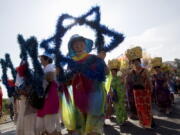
(166, 125)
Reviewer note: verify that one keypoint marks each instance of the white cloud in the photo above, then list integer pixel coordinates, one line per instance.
(158, 41)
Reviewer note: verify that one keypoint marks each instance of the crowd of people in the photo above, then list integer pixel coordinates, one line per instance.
(83, 101)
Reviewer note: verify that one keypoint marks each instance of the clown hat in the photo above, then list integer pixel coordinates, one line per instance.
(76, 37)
(114, 64)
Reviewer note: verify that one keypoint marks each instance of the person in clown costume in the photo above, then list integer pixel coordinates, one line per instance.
(118, 92)
(138, 81)
(87, 86)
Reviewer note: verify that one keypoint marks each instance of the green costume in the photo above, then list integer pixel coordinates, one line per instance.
(119, 99)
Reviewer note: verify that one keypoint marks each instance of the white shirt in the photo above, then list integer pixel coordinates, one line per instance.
(19, 80)
(49, 68)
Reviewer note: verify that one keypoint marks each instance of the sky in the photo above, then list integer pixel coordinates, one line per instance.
(151, 24)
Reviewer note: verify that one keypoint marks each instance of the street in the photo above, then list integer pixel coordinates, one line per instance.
(165, 125)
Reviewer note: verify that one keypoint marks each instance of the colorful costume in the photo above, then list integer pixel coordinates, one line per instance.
(161, 89)
(47, 117)
(162, 92)
(88, 97)
(118, 93)
(141, 87)
(87, 87)
(120, 109)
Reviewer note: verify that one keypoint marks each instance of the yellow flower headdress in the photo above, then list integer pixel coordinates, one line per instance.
(134, 53)
(166, 67)
(114, 64)
(157, 61)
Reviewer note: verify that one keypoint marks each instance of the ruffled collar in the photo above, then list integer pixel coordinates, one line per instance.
(83, 56)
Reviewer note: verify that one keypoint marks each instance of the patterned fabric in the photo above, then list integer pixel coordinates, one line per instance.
(88, 97)
(161, 91)
(142, 96)
(88, 94)
(85, 124)
(143, 106)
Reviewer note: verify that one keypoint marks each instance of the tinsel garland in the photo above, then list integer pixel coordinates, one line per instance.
(95, 74)
(34, 77)
(22, 42)
(5, 64)
(27, 73)
(10, 65)
(99, 29)
(32, 47)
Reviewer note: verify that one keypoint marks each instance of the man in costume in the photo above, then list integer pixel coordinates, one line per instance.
(138, 82)
(87, 86)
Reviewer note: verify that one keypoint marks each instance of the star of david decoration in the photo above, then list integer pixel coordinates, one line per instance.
(29, 48)
(100, 31)
(7, 64)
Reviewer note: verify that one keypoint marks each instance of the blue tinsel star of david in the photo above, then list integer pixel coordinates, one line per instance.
(99, 29)
(5, 64)
(30, 46)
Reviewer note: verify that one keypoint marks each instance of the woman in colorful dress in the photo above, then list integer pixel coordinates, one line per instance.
(87, 86)
(141, 86)
(161, 89)
(118, 90)
(47, 117)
